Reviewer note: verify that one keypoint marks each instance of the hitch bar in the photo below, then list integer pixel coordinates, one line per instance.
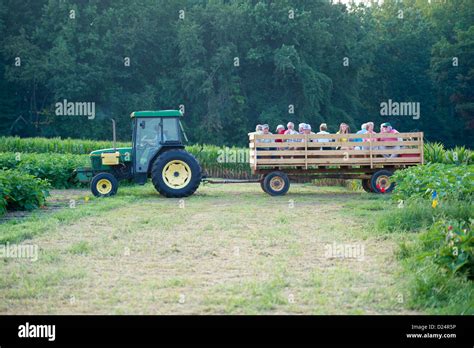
(227, 181)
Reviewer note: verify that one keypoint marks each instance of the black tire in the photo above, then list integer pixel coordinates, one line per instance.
(276, 183)
(104, 185)
(381, 183)
(262, 179)
(186, 182)
(367, 186)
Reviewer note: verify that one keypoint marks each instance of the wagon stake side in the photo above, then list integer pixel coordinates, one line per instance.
(370, 158)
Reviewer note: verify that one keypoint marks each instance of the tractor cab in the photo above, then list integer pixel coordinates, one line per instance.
(153, 132)
(157, 152)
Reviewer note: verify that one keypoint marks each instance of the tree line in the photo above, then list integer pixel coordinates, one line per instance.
(232, 64)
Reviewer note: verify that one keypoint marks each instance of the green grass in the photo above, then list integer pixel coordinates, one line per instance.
(230, 250)
(432, 289)
(80, 248)
(418, 215)
(428, 286)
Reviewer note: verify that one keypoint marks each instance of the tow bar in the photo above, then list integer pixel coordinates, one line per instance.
(227, 181)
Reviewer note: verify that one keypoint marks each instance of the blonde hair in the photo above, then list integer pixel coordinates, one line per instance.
(323, 127)
(348, 130)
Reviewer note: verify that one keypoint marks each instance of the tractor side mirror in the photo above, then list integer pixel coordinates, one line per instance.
(142, 124)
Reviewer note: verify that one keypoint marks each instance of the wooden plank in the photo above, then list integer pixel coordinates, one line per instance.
(335, 153)
(291, 170)
(259, 145)
(364, 144)
(422, 149)
(337, 144)
(370, 151)
(306, 151)
(339, 161)
(336, 136)
(365, 136)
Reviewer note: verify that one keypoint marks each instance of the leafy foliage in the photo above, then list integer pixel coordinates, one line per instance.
(449, 182)
(57, 169)
(21, 191)
(436, 153)
(451, 244)
(233, 64)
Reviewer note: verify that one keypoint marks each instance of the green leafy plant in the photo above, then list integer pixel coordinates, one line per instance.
(56, 168)
(459, 155)
(436, 153)
(449, 182)
(451, 244)
(21, 191)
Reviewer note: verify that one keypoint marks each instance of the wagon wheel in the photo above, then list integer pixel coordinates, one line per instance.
(262, 179)
(367, 186)
(276, 183)
(381, 182)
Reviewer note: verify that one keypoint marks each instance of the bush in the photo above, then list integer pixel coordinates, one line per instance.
(439, 267)
(451, 245)
(56, 168)
(21, 191)
(449, 182)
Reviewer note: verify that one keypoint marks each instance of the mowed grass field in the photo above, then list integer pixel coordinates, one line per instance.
(228, 249)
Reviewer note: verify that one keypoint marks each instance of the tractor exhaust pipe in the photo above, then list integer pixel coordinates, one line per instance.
(113, 132)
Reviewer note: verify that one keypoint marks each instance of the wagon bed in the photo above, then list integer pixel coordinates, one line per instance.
(307, 155)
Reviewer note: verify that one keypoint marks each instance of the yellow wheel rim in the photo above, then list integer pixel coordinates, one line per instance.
(176, 174)
(104, 186)
(383, 181)
(277, 183)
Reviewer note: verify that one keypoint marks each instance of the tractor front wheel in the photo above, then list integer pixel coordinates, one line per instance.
(104, 185)
(176, 173)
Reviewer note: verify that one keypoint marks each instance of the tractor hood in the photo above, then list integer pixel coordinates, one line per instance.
(125, 153)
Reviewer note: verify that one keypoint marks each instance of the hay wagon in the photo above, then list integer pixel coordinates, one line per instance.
(372, 158)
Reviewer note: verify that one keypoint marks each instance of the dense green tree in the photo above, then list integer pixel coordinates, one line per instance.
(233, 64)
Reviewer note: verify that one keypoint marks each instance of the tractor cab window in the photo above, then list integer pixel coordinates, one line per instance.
(170, 129)
(148, 141)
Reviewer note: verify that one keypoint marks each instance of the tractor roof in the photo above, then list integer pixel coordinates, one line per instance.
(158, 113)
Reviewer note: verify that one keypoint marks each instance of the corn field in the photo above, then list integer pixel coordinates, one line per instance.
(217, 162)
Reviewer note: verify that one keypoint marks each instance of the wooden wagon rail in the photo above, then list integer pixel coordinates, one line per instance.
(306, 151)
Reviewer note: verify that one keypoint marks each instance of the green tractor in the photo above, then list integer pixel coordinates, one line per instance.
(157, 152)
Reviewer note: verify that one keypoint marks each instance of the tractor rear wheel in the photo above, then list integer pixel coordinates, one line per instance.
(176, 173)
(104, 185)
